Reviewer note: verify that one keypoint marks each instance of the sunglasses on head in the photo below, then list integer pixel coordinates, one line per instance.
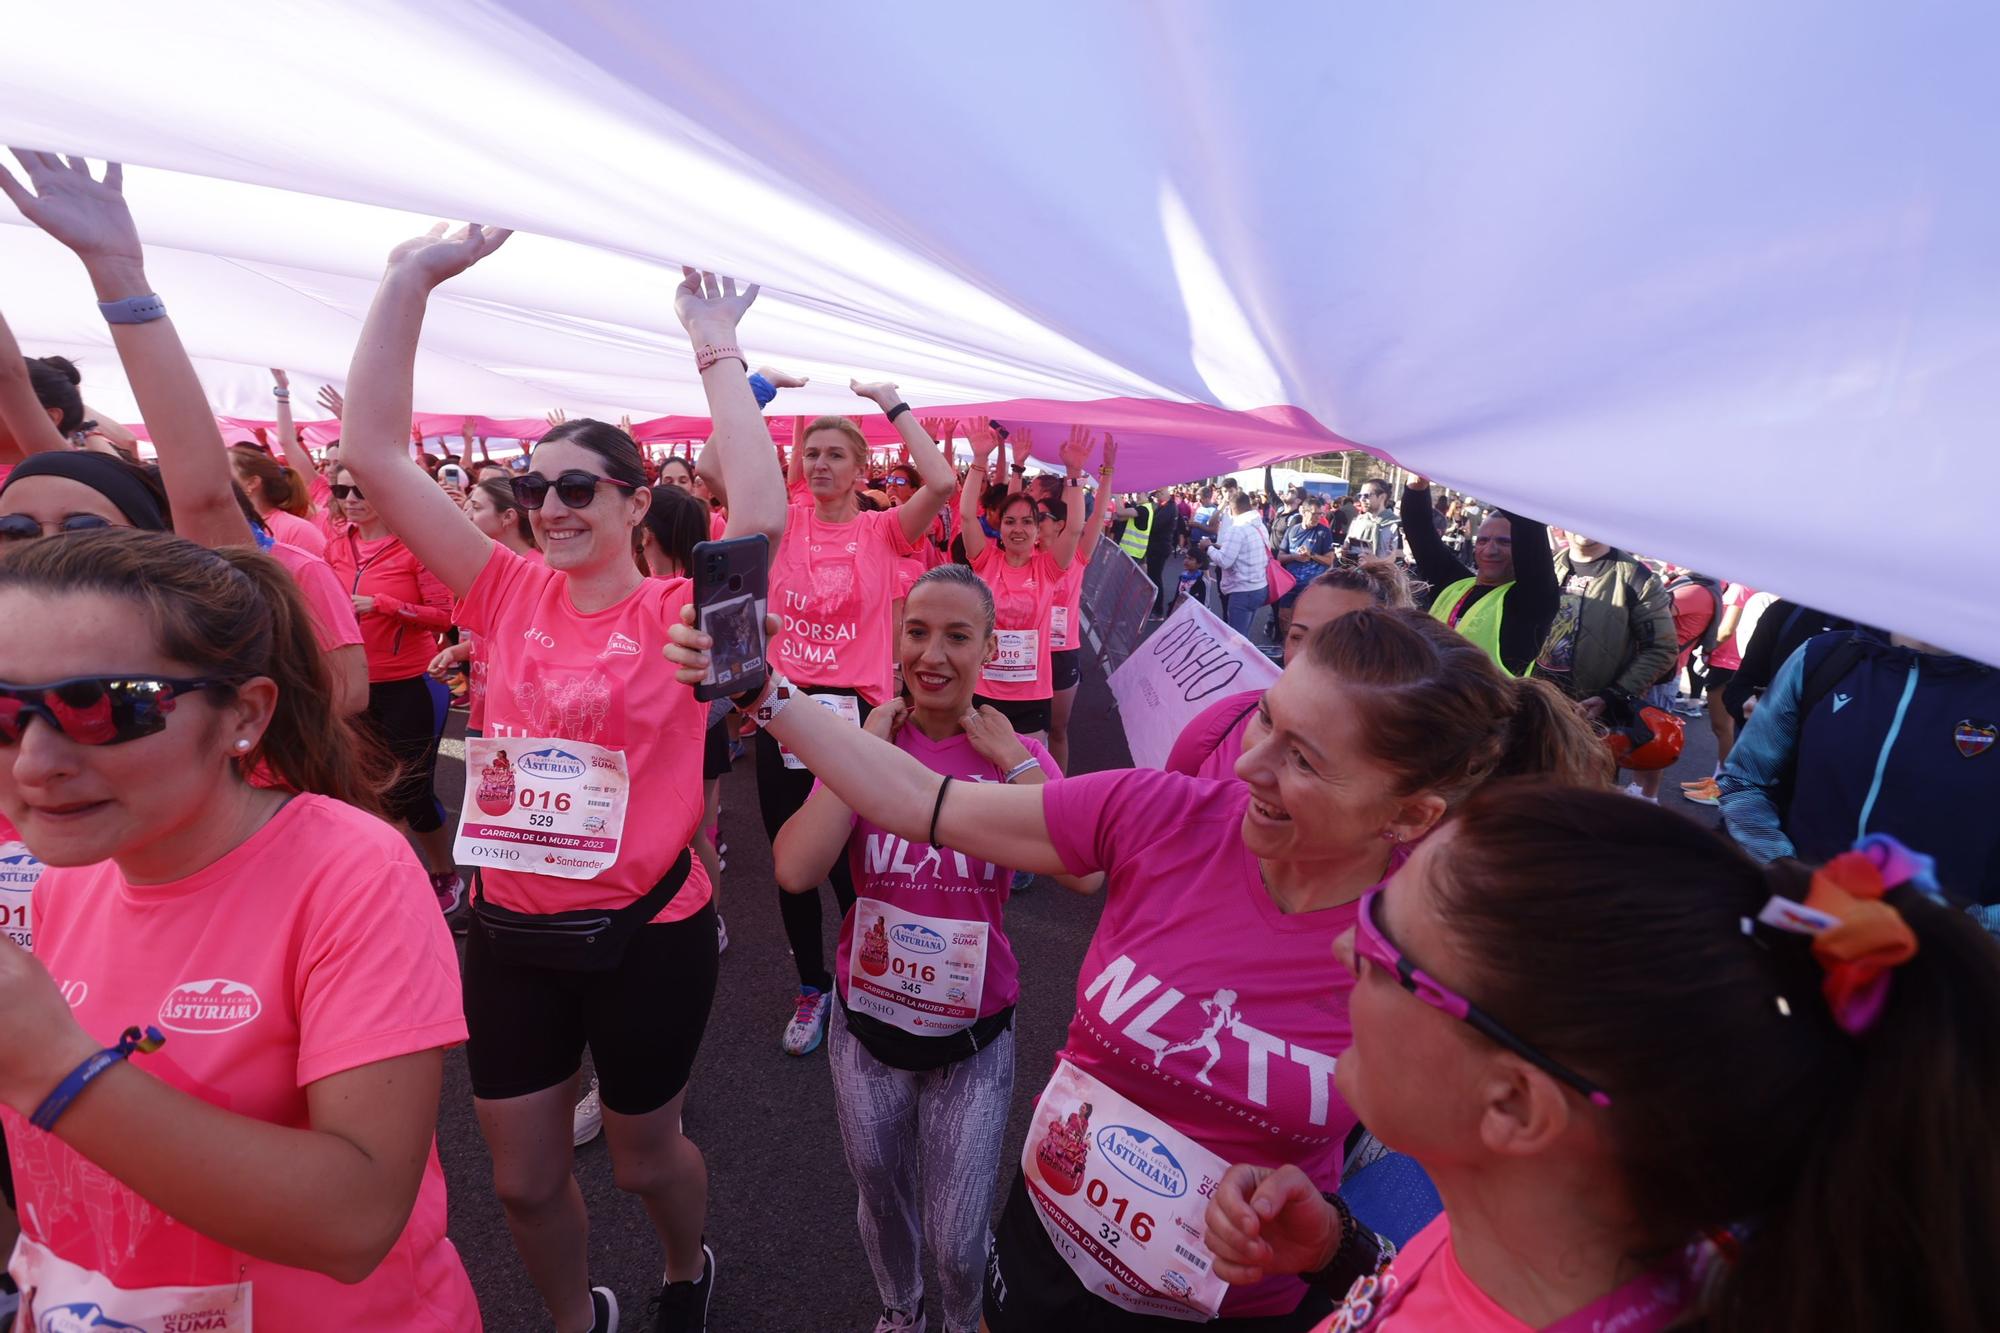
(20, 528)
(347, 491)
(97, 710)
(575, 488)
(1372, 944)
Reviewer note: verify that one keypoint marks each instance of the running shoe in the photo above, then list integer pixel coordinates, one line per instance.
(1706, 792)
(1022, 879)
(1633, 789)
(808, 1026)
(1699, 782)
(587, 1120)
(603, 1310)
(450, 891)
(721, 934)
(682, 1307)
(901, 1321)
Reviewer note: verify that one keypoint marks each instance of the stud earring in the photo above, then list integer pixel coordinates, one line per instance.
(242, 746)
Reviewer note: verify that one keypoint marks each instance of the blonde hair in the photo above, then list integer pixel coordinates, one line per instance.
(846, 427)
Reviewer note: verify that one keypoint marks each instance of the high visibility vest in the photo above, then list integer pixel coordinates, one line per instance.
(1481, 624)
(1132, 541)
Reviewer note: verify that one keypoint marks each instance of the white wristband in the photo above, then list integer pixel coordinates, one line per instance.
(1022, 767)
(771, 702)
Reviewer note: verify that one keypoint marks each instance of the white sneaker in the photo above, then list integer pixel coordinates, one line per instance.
(808, 1026)
(897, 1321)
(603, 1303)
(584, 1126)
(1633, 789)
(721, 934)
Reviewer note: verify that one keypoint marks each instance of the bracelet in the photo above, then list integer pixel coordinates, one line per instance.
(897, 411)
(776, 694)
(708, 354)
(1022, 767)
(283, 395)
(79, 1078)
(1021, 469)
(763, 390)
(133, 309)
(1359, 1253)
(938, 809)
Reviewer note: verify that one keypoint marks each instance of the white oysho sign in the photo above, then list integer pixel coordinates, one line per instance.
(1189, 662)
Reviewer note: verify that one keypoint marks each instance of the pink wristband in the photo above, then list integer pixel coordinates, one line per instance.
(708, 354)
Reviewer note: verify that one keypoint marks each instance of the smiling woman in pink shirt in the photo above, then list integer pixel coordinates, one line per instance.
(277, 1150)
(1658, 1085)
(594, 925)
(833, 589)
(1193, 1045)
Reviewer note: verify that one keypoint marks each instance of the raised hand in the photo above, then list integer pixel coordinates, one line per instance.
(281, 379)
(1110, 453)
(782, 379)
(331, 399)
(940, 429)
(1023, 444)
(434, 257)
(882, 393)
(1413, 482)
(710, 307)
(984, 440)
(465, 434)
(66, 201)
(1076, 449)
(555, 417)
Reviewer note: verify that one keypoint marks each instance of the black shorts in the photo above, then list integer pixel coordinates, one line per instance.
(1030, 1289)
(1065, 668)
(715, 748)
(1717, 681)
(407, 718)
(642, 1021)
(1026, 714)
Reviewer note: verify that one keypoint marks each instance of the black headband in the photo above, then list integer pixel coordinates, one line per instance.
(111, 478)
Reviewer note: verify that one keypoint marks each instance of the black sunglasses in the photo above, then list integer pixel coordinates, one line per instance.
(344, 491)
(20, 528)
(98, 710)
(575, 488)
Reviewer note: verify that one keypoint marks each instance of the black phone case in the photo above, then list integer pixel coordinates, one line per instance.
(731, 596)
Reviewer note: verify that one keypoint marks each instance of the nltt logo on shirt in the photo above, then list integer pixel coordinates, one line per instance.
(207, 1007)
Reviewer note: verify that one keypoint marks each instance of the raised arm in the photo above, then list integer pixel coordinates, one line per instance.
(90, 217)
(25, 420)
(376, 418)
(1075, 455)
(1093, 526)
(297, 457)
(710, 309)
(916, 512)
(985, 441)
(1436, 565)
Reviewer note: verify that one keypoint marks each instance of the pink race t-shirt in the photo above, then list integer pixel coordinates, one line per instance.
(1728, 653)
(313, 948)
(1435, 1296)
(1066, 619)
(937, 881)
(1211, 743)
(1023, 596)
(1198, 998)
(718, 523)
(831, 587)
(300, 532)
(475, 669)
(553, 671)
(329, 605)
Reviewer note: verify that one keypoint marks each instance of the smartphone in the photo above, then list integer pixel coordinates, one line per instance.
(731, 592)
(454, 474)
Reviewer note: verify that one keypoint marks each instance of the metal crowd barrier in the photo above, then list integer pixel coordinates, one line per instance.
(1117, 596)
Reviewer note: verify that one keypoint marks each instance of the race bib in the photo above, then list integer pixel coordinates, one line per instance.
(542, 806)
(1059, 629)
(58, 1296)
(1122, 1195)
(923, 974)
(840, 705)
(1016, 659)
(20, 871)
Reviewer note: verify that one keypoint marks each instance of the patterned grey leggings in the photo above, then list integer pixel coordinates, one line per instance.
(925, 1152)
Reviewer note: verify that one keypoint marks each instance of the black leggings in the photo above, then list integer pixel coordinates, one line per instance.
(780, 793)
(407, 719)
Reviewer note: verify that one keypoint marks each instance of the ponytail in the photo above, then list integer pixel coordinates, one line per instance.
(1546, 735)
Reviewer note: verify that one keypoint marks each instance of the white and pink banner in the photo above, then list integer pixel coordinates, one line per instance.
(1714, 281)
(1189, 662)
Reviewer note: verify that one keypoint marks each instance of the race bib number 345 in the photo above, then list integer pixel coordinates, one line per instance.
(542, 806)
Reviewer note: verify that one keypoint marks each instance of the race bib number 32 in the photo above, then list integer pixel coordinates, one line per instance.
(1122, 1195)
(542, 806)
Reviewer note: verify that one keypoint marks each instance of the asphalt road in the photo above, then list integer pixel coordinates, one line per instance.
(781, 1203)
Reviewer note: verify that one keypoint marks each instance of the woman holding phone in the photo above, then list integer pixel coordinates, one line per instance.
(594, 927)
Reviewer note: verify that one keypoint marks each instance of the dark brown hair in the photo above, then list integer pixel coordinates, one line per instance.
(55, 380)
(1440, 714)
(1613, 934)
(277, 485)
(232, 614)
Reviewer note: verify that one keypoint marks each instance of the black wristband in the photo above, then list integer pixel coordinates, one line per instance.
(938, 809)
(1360, 1253)
(897, 411)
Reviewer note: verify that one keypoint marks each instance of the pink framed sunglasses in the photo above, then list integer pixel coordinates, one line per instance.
(1372, 944)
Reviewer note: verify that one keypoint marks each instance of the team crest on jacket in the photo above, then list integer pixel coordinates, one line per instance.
(1975, 736)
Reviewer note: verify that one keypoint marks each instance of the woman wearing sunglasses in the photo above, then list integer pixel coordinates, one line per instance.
(1025, 578)
(834, 582)
(1658, 1085)
(594, 924)
(1193, 1042)
(402, 607)
(277, 1150)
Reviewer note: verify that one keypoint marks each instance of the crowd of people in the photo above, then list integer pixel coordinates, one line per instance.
(1388, 930)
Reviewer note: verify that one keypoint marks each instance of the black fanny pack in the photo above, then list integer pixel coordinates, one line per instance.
(591, 939)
